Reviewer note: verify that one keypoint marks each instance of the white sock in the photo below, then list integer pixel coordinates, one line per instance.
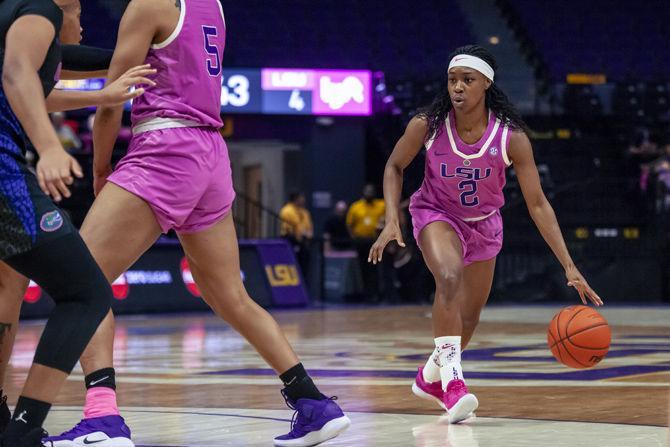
(431, 372)
(449, 357)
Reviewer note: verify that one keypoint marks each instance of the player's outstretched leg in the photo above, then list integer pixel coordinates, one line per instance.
(442, 250)
(115, 248)
(214, 261)
(80, 306)
(473, 293)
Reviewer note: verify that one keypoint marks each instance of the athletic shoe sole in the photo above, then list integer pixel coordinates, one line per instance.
(328, 431)
(463, 408)
(113, 442)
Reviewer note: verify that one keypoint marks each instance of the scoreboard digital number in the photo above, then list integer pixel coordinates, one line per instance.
(241, 91)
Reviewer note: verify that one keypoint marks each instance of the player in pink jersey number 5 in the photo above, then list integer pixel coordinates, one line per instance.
(176, 175)
(471, 133)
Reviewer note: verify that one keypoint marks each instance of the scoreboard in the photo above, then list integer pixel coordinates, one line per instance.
(285, 91)
(292, 91)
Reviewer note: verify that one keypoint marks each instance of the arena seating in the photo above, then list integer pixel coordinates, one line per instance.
(344, 34)
(599, 36)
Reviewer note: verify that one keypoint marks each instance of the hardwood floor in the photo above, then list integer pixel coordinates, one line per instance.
(192, 381)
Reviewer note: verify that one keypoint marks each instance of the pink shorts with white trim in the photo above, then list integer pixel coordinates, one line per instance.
(183, 173)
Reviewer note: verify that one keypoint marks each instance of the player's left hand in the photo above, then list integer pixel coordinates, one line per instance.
(576, 280)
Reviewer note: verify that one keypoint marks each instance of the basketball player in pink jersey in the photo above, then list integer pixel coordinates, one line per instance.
(471, 133)
(177, 175)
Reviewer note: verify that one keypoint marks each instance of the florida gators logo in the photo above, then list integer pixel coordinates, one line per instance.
(51, 221)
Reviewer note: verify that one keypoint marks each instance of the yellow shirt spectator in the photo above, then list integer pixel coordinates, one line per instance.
(296, 222)
(364, 216)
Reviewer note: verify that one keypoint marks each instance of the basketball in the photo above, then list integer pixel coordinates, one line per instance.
(579, 337)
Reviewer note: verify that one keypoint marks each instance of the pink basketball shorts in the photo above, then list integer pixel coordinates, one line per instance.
(481, 240)
(182, 173)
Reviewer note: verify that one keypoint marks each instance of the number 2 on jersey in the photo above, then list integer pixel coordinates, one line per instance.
(469, 188)
(213, 62)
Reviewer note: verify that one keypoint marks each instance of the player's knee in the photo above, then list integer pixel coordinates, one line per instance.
(91, 295)
(231, 305)
(447, 281)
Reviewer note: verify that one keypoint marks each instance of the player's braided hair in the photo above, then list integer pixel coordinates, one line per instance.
(496, 100)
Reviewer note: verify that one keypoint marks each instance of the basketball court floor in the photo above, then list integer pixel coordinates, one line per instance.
(190, 381)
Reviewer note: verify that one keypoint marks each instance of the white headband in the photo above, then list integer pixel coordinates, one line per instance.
(465, 60)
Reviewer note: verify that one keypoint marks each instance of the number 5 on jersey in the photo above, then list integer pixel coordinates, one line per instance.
(214, 60)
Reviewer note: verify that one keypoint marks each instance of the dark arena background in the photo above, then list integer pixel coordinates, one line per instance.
(316, 93)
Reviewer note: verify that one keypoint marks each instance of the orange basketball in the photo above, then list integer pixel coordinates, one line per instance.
(579, 337)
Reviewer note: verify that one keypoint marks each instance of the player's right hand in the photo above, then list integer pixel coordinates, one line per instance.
(55, 171)
(391, 232)
(119, 91)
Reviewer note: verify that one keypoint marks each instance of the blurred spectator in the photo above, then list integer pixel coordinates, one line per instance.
(655, 181)
(297, 228)
(365, 214)
(662, 171)
(364, 221)
(66, 134)
(335, 232)
(643, 147)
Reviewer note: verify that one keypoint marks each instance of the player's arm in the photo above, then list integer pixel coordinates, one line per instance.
(542, 213)
(85, 62)
(115, 93)
(406, 149)
(136, 33)
(26, 45)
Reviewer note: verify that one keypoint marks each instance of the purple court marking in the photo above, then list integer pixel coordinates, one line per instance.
(501, 354)
(588, 374)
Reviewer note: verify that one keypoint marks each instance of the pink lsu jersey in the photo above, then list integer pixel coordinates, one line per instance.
(463, 180)
(189, 64)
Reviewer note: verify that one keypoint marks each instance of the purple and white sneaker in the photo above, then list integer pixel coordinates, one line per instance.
(107, 431)
(314, 422)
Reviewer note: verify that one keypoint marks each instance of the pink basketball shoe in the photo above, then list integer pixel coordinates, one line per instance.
(459, 402)
(429, 391)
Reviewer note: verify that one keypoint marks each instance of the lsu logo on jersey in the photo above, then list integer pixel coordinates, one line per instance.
(282, 275)
(465, 173)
